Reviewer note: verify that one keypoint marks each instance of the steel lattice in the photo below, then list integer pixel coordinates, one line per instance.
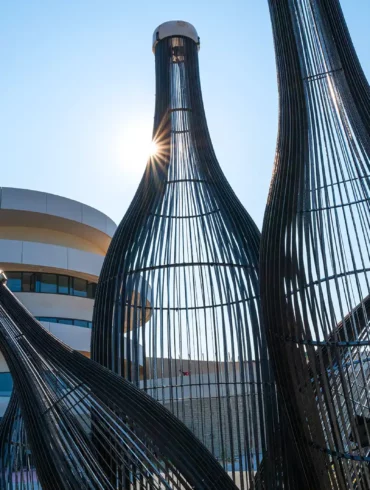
(76, 412)
(17, 468)
(315, 258)
(177, 305)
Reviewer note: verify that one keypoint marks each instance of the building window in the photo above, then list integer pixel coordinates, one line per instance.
(46, 319)
(79, 287)
(6, 384)
(81, 323)
(40, 282)
(14, 281)
(91, 289)
(63, 285)
(28, 282)
(65, 321)
(48, 283)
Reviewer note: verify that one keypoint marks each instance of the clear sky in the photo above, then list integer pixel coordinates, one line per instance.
(77, 92)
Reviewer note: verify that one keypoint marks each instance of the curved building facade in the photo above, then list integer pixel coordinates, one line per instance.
(52, 250)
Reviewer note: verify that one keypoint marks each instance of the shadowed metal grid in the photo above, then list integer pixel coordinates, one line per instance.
(315, 258)
(186, 253)
(17, 468)
(76, 412)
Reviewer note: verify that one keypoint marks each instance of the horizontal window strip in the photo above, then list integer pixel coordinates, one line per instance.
(47, 283)
(65, 321)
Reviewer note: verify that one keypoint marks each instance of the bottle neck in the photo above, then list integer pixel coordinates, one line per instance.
(179, 105)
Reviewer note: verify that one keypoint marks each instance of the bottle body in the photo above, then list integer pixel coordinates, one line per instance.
(186, 253)
(315, 262)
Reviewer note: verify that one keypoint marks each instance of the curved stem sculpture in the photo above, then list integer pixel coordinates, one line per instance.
(68, 402)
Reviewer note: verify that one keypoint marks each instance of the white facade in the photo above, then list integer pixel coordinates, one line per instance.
(52, 250)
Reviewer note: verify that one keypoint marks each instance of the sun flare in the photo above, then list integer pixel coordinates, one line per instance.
(153, 149)
(138, 146)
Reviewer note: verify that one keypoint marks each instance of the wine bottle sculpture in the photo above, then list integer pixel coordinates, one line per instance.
(177, 305)
(68, 401)
(315, 255)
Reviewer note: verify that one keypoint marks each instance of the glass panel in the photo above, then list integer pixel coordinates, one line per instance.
(27, 282)
(66, 321)
(91, 287)
(6, 384)
(47, 319)
(14, 281)
(63, 284)
(81, 323)
(79, 287)
(37, 282)
(48, 283)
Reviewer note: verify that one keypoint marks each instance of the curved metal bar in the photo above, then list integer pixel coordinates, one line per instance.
(315, 253)
(68, 401)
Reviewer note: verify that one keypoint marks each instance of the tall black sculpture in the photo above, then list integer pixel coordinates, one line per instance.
(315, 258)
(177, 305)
(76, 413)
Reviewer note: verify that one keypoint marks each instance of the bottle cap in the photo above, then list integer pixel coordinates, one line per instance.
(175, 28)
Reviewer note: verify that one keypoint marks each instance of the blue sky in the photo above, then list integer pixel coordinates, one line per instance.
(77, 85)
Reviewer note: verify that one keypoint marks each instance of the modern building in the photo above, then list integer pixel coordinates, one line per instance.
(52, 250)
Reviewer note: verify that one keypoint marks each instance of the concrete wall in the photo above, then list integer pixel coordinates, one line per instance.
(43, 202)
(76, 337)
(58, 305)
(43, 235)
(43, 255)
(216, 406)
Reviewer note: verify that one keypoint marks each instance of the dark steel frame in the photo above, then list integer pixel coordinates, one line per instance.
(315, 257)
(73, 408)
(177, 305)
(17, 468)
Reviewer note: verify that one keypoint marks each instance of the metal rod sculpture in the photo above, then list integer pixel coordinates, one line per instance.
(177, 305)
(68, 402)
(315, 256)
(17, 469)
